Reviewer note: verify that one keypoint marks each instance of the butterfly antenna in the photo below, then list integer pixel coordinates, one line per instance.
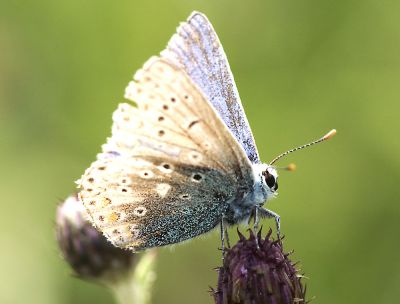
(328, 135)
(290, 167)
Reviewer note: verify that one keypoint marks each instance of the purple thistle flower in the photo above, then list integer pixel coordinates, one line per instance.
(255, 271)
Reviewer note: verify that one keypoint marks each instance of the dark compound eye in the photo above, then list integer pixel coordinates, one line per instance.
(270, 180)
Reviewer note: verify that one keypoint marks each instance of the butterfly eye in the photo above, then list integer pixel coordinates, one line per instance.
(270, 180)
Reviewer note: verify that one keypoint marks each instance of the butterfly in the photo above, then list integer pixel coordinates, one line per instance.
(182, 159)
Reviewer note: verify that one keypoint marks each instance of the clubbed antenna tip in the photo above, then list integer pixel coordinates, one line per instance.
(330, 134)
(291, 167)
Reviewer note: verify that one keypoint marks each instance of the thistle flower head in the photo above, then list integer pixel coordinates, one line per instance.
(87, 251)
(255, 270)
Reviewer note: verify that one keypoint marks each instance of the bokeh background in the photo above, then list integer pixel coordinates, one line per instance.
(302, 68)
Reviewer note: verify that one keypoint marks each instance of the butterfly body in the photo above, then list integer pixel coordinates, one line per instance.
(241, 207)
(183, 159)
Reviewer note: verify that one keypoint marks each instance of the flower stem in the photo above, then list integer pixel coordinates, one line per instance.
(135, 288)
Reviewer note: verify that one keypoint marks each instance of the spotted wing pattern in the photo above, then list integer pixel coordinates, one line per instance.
(169, 169)
(196, 48)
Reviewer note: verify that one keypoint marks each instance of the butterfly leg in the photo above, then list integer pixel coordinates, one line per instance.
(256, 219)
(270, 214)
(228, 244)
(222, 231)
(255, 224)
(224, 236)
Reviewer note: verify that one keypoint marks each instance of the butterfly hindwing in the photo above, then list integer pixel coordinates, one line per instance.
(140, 203)
(170, 167)
(197, 49)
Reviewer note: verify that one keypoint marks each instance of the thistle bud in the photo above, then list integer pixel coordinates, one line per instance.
(129, 275)
(256, 271)
(87, 251)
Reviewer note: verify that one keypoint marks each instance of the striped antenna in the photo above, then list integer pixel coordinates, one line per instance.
(323, 138)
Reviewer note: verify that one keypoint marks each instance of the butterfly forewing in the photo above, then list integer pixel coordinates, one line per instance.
(196, 48)
(170, 167)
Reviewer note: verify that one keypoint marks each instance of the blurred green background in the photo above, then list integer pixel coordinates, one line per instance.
(302, 68)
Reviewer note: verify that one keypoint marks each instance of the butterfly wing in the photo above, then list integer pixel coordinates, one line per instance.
(196, 48)
(169, 169)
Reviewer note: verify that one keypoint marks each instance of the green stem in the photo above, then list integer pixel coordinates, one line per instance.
(135, 288)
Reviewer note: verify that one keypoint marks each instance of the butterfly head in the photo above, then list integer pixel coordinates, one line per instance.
(266, 182)
(270, 179)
